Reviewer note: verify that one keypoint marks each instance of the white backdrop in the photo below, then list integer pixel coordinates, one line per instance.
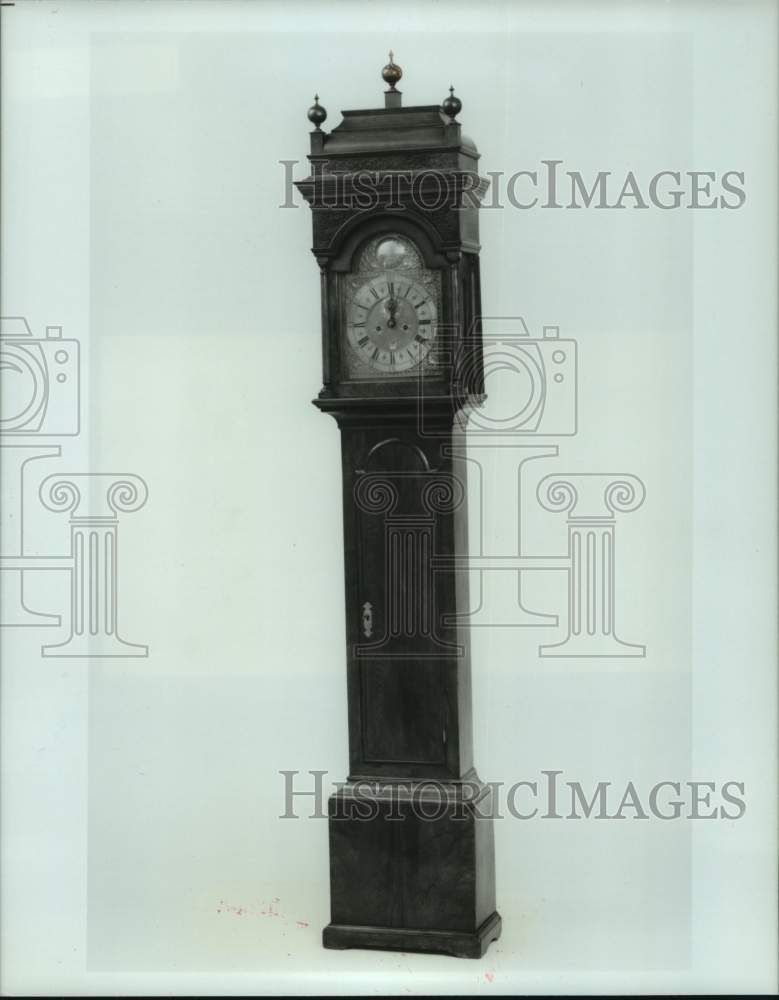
(142, 847)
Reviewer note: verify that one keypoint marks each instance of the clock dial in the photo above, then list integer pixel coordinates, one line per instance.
(391, 309)
(391, 322)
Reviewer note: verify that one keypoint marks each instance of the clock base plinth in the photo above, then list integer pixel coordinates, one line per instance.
(412, 867)
(459, 944)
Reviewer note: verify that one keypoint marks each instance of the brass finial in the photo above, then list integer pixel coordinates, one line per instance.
(316, 113)
(452, 105)
(391, 72)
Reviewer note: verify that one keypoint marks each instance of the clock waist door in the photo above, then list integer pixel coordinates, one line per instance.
(406, 661)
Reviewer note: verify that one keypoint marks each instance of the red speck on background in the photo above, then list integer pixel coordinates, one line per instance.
(489, 976)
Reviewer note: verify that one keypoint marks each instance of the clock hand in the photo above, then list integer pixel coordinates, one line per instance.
(392, 305)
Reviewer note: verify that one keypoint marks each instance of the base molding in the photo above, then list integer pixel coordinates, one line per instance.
(460, 944)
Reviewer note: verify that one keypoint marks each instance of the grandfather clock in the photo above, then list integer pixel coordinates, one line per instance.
(394, 194)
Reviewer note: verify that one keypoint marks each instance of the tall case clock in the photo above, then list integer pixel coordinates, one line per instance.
(394, 194)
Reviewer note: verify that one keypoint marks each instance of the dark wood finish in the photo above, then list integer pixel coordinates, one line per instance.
(412, 865)
(460, 944)
(400, 879)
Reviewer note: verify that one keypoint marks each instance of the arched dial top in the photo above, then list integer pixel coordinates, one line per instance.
(392, 308)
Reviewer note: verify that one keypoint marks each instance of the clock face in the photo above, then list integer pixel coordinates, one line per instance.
(391, 309)
(391, 323)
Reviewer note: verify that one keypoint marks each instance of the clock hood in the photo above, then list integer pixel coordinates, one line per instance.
(397, 129)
